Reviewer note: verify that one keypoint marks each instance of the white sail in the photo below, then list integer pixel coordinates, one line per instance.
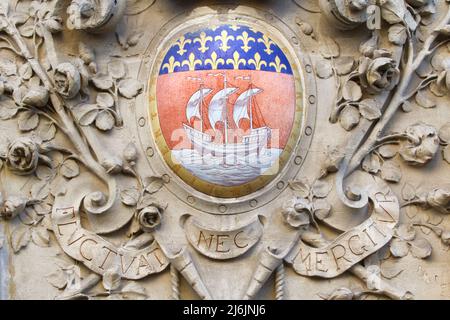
(218, 105)
(241, 105)
(193, 106)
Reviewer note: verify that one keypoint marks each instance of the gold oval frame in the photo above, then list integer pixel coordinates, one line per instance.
(299, 114)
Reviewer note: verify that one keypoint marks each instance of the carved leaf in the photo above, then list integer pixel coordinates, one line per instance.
(8, 67)
(397, 34)
(324, 69)
(8, 109)
(399, 248)
(87, 114)
(351, 91)
(388, 151)
(421, 248)
(130, 88)
(149, 200)
(40, 190)
(339, 294)
(370, 109)
(27, 31)
(301, 187)
(444, 133)
(320, 189)
(25, 71)
(57, 279)
(46, 130)
(130, 196)
(391, 172)
(393, 11)
(329, 48)
(424, 100)
(408, 192)
(344, 65)
(104, 121)
(40, 237)
(153, 184)
(117, 69)
(111, 279)
(28, 120)
(349, 117)
(4, 8)
(105, 100)
(102, 83)
(371, 163)
(44, 173)
(70, 169)
(406, 232)
(58, 186)
(20, 238)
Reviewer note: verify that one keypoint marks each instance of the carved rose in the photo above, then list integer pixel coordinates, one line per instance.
(421, 145)
(13, 206)
(94, 14)
(380, 73)
(296, 212)
(149, 218)
(439, 199)
(67, 80)
(22, 156)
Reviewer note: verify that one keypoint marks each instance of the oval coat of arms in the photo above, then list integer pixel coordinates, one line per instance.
(226, 111)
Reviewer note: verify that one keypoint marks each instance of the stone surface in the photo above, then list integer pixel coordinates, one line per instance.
(260, 150)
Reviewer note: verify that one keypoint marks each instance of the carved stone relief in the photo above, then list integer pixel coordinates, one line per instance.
(294, 149)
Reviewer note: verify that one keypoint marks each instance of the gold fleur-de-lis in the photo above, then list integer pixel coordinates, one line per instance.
(235, 27)
(214, 28)
(214, 62)
(192, 62)
(224, 38)
(267, 42)
(278, 65)
(236, 61)
(257, 62)
(170, 66)
(203, 40)
(181, 43)
(246, 40)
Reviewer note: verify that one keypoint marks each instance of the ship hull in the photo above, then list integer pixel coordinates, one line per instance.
(251, 144)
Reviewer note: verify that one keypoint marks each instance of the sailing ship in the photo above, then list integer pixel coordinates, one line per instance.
(251, 144)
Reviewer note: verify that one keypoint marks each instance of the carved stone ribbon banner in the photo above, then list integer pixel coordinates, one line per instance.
(93, 250)
(225, 243)
(355, 244)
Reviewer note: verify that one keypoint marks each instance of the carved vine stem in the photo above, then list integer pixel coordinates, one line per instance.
(68, 127)
(355, 156)
(317, 240)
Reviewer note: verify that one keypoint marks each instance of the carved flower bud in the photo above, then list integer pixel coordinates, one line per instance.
(382, 74)
(149, 218)
(130, 153)
(67, 80)
(36, 96)
(296, 212)
(445, 237)
(422, 144)
(113, 165)
(439, 199)
(443, 81)
(22, 156)
(13, 206)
